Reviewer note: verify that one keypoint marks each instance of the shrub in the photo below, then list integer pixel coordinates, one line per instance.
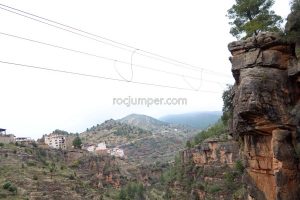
(30, 163)
(213, 189)
(35, 177)
(10, 187)
(239, 166)
(34, 144)
(29, 151)
(75, 164)
(13, 189)
(6, 185)
(1, 144)
(240, 193)
(71, 177)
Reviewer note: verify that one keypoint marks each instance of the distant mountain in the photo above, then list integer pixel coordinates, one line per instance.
(143, 121)
(114, 133)
(198, 120)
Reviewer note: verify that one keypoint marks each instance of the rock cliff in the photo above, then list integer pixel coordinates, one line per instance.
(266, 115)
(208, 171)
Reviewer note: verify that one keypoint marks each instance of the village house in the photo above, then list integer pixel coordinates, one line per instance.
(24, 140)
(6, 138)
(90, 148)
(117, 152)
(101, 148)
(55, 141)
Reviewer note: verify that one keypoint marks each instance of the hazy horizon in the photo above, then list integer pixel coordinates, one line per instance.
(102, 121)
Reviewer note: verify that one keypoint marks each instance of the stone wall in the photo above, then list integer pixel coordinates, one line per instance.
(266, 115)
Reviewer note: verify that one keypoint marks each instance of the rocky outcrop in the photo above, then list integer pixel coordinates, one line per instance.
(266, 115)
(210, 168)
(213, 152)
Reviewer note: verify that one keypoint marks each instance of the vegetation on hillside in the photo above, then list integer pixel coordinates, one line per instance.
(132, 191)
(183, 179)
(28, 172)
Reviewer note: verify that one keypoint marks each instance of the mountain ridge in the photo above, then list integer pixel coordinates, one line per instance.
(198, 120)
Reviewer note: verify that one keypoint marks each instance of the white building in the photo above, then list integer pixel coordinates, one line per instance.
(56, 141)
(91, 148)
(24, 139)
(116, 152)
(101, 146)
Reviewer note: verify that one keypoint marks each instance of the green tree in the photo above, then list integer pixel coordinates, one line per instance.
(253, 16)
(292, 27)
(77, 143)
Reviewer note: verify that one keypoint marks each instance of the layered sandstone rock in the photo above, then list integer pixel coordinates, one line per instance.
(207, 164)
(266, 115)
(213, 152)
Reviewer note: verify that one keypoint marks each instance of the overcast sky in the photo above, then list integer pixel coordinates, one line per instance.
(35, 102)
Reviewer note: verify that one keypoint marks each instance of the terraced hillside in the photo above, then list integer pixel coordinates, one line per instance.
(144, 139)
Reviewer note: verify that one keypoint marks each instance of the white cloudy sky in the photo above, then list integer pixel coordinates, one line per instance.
(35, 102)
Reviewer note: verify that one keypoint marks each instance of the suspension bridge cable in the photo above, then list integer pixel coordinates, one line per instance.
(154, 55)
(100, 77)
(106, 58)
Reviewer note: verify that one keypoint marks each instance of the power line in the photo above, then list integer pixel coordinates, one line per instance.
(107, 58)
(153, 55)
(100, 77)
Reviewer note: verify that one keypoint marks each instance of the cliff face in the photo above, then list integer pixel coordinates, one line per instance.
(266, 115)
(210, 170)
(212, 152)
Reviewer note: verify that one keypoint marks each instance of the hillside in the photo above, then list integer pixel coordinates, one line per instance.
(114, 133)
(210, 168)
(29, 172)
(158, 127)
(197, 120)
(143, 121)
(35, 173)
(144, 139)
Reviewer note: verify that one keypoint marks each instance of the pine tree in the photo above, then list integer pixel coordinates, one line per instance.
(253, 16)
(77, 143)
